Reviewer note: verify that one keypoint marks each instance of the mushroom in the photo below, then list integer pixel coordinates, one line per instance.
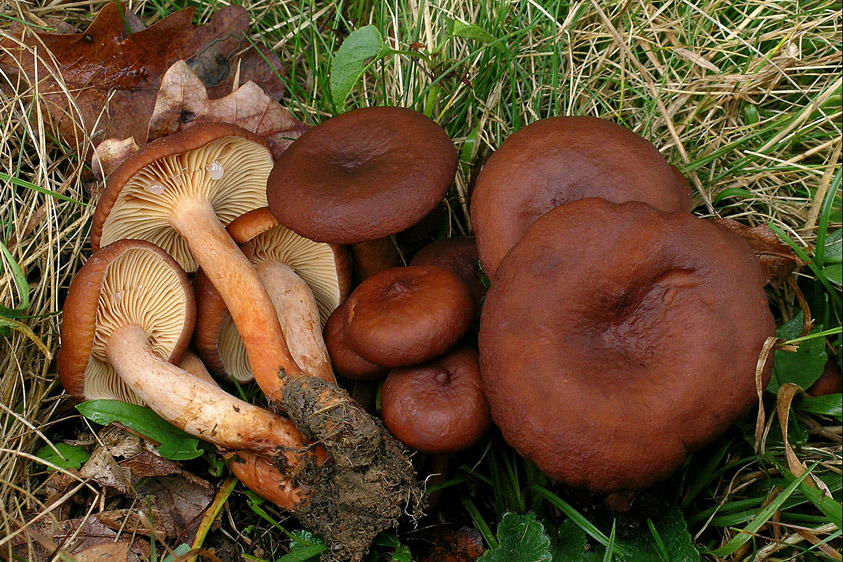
(439, 406)
(829, 382)
(345, 360)
(360, 177)
(558, 160)
(457, 254)
(616, 338)
(128, 315)
(406, 315)
(306, 281)
(178, 192)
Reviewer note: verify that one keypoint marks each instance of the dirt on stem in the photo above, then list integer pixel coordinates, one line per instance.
(367, 484)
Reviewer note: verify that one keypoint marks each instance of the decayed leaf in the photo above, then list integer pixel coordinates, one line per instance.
(183, 101)
(74, 536)
(106, 552)
(449, 544)
(107, 77)
(110, 153)
(777, 260)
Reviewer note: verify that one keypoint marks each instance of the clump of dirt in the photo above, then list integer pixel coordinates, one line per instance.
(367, 484)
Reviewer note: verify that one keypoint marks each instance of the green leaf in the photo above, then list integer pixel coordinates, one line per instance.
(457, 28)
(175, 444)
(63, 455)
(359, 49)
(570, 543)
(666, 540)
(828, 405)
(834, 273)
(522, 539)
(834, 247)
(21, 285)
(802, 367)
(178, 552)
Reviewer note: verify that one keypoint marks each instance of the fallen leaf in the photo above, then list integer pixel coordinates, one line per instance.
(105, 552)
(777, 259)
(45, 536)
(183, 101)
(110, 153)
(182, 498)
(449, 544)
(103, 82)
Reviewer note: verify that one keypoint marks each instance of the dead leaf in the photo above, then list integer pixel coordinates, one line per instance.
(110, 153)
(777, 260)
(44, 536)
(105, 552)
(448, 544)
(182, 498)
(107, 77)
(183, 101)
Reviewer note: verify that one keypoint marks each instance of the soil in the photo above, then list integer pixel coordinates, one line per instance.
(367, 484)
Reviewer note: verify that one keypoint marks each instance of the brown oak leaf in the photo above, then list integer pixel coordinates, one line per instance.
(777, 260)
(103, 82)
(183, 101)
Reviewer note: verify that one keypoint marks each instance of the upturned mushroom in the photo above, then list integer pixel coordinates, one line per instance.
(607, 365)
(128, 316)
(360, 177)
(305, 280)
(558, 160)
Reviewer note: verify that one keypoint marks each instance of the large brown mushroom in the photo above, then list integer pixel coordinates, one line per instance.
(360, 177)
(558, 160)
(617, 338)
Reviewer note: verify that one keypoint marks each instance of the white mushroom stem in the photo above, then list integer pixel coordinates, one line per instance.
(298, 315)
(240, 287)
(198, 406)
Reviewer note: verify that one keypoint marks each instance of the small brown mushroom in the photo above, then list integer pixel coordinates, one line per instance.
(407, 315)
(361, 177)
(617, 338)
(558, 160)
(305, 280)
(457, 254)
(345, 360)
(439, 406)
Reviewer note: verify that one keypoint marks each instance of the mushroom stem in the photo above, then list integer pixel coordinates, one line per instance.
(298, 315)
(374, 256)
(197, 406)
(238, 283)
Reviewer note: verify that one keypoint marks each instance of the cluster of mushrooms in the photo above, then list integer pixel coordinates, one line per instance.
(619, 331)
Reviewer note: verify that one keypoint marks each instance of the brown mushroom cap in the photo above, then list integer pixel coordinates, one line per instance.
(323, 267)
(347, 362)
(133, 281)
(407, 315)
(437, 407)
(144, 192)
(457, 254)
(558, 160)
(616, 338)
(362, 175)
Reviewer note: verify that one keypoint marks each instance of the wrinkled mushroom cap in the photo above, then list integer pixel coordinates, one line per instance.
(362, 175)
(324, 267)
(128, 282)
(407, 315)
(222, 163)
(558, 160)
(437, 407)
(616, 338)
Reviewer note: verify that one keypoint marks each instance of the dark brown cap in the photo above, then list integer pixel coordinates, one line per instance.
(437, 407)
(362, 175)
(616, 338)
(558, 160)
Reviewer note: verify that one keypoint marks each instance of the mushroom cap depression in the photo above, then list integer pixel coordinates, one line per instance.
(362, 175)
(558, 160)
(617, 338)
(439, 406)
(407, 315)
(127, 282)
(223, 163)
(324, 267)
